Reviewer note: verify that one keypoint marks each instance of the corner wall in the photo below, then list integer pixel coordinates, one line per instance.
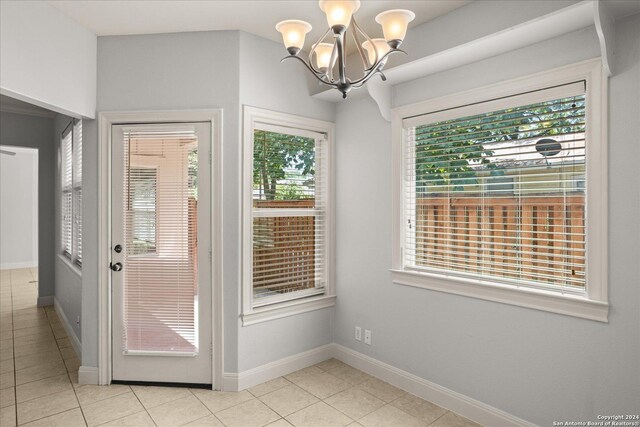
(267, 83)
(22, 130)
(539, 366)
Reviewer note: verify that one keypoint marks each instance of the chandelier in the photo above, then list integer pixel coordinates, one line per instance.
(324, 56)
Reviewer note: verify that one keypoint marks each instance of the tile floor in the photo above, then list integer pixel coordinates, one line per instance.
(39, 386)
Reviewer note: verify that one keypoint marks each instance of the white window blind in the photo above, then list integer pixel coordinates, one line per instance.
(77, 192)
(289, 214)
(496, 191)
(160, 239)
(66, 226)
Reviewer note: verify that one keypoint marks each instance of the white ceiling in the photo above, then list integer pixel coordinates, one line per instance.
(12, 105)
(117, 17)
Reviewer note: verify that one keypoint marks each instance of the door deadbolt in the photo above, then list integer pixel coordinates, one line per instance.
(117, 249)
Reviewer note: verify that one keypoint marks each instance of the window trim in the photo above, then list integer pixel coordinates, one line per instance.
(266, 118)
(594, 305)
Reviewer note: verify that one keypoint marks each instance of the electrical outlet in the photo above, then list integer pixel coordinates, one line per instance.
(358, 333)
(367, 337)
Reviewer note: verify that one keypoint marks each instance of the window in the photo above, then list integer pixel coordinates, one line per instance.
(287, 214)
(71, 186)
(494, 199)
(143, 183)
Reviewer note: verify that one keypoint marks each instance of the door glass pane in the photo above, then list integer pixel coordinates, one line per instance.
(160, 229)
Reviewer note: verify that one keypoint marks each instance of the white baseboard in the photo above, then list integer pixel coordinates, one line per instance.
(14, 265)
(269, 371)
(442, 396)
(75, 342)
(87, 375)
(45, 301)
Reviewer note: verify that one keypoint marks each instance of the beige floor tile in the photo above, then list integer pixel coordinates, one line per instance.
(71, 418)
(36, 347)
(381, 389)
(29, 320)
(35, 338)
(330, 364)
(248, 414)
(8, 416)
(419, 408)
(6, 353)
(140, 419)
(33, 330)
(6, 366)
(208, 421)
(63, 343)
(30, 360)
(351, 375)
(111, 409)
(68, 353)
(43, 387)
(288, 400)
(269, 386)
(355, 403)
(7, 397)
(6, 343)
(280, 423)
(454, 420)
(178, 412)
(7, 380)
(217, 401)
(390, 416)
(154, 396)
(311, 370)
(39, 372)
(45, 406)
(88, 394)
(322, 385)
(6, 334)
(319, 415)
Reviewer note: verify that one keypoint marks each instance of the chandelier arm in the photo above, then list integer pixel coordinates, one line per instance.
(317, 75)
(332, 61)
(376, 68)
(313, 49)
(342, 75)
(363, 56)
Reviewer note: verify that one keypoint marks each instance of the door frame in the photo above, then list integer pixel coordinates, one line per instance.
(105, 122)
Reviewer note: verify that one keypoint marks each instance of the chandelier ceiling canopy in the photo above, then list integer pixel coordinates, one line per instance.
(328, 55)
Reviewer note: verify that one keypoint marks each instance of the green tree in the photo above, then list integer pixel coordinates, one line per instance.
(273, 154)
(450, 153)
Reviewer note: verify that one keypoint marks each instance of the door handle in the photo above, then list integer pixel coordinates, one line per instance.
(117, 266)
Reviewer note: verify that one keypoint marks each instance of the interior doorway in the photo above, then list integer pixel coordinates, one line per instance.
(19, 221)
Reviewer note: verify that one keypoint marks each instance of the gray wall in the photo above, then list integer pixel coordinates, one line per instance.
(266, 83)
(536, 365)
(68, 276)
(196, 70)
(18, 208)
(37, 132)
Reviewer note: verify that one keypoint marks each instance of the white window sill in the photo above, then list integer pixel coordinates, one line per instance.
(289, 308)
(73, 268)
(570, 305)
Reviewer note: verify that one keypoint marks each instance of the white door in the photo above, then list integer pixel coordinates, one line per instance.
(160, 242)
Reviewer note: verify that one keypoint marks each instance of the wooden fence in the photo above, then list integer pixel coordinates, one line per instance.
(284, 251)
(532, 238)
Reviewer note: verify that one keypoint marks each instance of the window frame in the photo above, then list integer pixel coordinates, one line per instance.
(593, 304)
(256, 118)
(74, 189)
